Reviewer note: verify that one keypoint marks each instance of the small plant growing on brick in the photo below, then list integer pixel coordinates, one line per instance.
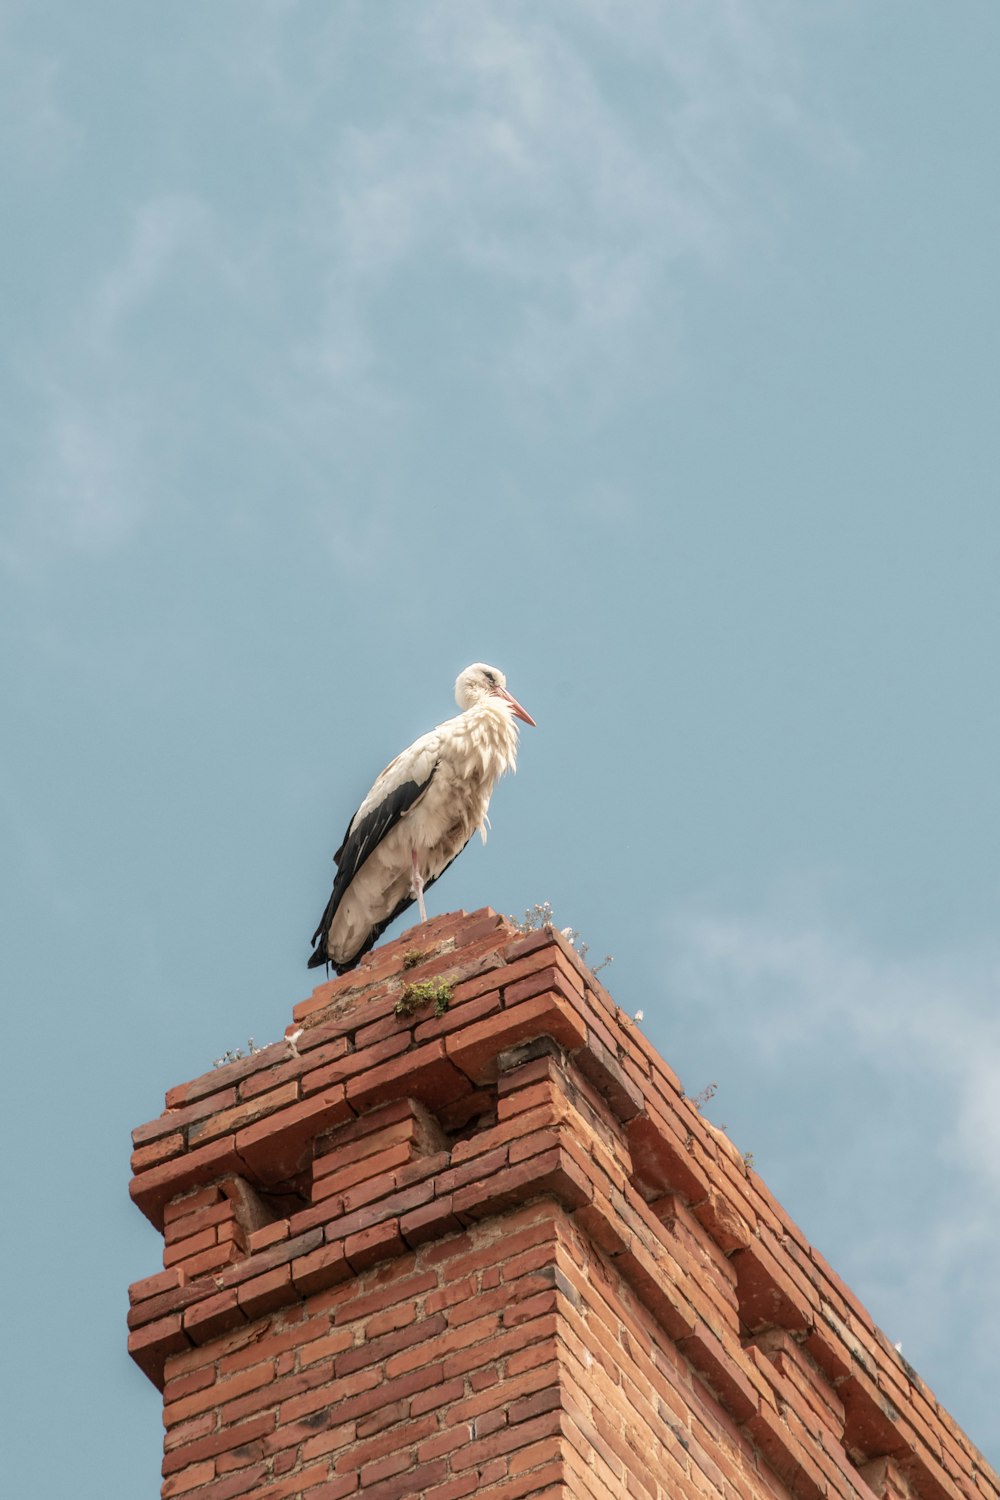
(541, 915)
(700, 1099)
(535, 918)
(436, 992)
(236, 1054)
(414, 957)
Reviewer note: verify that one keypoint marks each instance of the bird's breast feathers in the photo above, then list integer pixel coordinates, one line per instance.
(460, 761)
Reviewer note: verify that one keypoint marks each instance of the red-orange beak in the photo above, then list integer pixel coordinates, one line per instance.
(517, 710)
(519, 713)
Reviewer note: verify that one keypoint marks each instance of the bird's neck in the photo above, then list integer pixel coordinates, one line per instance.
(492, 729)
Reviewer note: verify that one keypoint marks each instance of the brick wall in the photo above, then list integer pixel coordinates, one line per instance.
(479, 1243)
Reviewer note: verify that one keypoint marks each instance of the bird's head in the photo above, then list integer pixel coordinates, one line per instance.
(479, 683)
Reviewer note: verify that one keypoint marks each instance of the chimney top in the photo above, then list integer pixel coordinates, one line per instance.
(462, 1231)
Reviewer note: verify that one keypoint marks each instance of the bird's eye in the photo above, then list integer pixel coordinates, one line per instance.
(490, 678)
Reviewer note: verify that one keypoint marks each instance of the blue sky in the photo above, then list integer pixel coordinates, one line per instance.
(648, 351)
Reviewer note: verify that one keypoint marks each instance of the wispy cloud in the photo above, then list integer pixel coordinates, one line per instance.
(98, 405)
(89, 490)
(508, 205)
(164, 228)
(556, 167)
(36, 129)
(793, 988)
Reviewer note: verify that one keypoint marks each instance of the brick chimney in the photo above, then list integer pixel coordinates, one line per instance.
(462, 1234)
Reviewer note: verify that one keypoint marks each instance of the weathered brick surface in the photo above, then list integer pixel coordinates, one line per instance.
(495, 1251)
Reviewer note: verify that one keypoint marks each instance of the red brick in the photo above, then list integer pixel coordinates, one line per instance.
(411, 1175)
(279, 1254)
(152, 1190)
(373, 1351)
(151, 1345)
(488, 1399)
(240, 1458)
(189, 1431)
(174, 1121)
(425, 1073)
(261, 1061)
(267, 1292)
(333, 1489)
(214, 1443)
(183, 1385)
(454, 1489)
(597, 1063)
(345, 1068)
(551, 1172)
(371, 1051)
(319, 1433)
(461, 1013)
(509, 974)
(188, 1479)
(429, 1222)
(724, 1221)
(532, 1085)
(442, 1442)
(352, 1173)
(366, 1127)
(155, 1286)
(295, 1067)
(351, 1160)
(211, 1216)
(767, 1294)
(267, 1235)
(272, 1491)
(506, 1440)
(192, 1203)
(227, 1121)
(556, 977)
(397, 1315)
(369, 1246)
(364, 1391)
(144, 1157)
(386, 1468)
(413, 1482)
(320, 1268)
(212, 1259)
(475, 1049)
(545, 1482)
(437, 1397)
(471, 1170)
(279, 1146)
(526, 943)
(216, 1314)
(221, 1392)
(385, 1287)
(186, 1248)
(506, 1344)
(386, 961)
(661, 1161)
(284, 1391)
(521, 1229)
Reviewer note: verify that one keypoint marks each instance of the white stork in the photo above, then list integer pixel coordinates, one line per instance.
(418, 817)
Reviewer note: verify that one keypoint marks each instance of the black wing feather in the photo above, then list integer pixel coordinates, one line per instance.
(358, 843)
(319, 957)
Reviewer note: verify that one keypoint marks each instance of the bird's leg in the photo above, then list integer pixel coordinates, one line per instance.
(417, 886)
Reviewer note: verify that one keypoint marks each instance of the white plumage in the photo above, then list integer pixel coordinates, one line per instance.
(418, 817)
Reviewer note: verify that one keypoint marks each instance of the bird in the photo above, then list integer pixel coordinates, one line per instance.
(418, 817)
